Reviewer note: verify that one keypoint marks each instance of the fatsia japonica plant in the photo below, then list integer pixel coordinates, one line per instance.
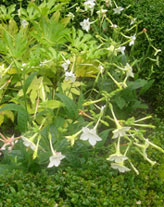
(66, 74)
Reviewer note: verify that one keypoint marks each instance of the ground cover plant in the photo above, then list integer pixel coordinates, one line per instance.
(68, 86)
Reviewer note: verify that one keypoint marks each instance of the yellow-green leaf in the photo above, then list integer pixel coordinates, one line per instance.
(75, 91)
(51, 104)
(1, 118)
(9, 115)
(65, 21)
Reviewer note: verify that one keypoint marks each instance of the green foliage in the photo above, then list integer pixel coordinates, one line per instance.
(94, 184)
(67, 81)
(22, 117)
(91, 182)
(151, 16)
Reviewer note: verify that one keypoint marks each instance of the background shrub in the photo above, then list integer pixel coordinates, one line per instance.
(92, 185)
(151, 14)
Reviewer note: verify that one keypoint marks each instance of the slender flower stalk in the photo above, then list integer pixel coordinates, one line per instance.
(142, 150)
(145, 125)
(72, 138)
(142, 119)
(114, 80)
(36, 149)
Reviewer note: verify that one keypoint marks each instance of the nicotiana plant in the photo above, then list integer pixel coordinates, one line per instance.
(63, 78)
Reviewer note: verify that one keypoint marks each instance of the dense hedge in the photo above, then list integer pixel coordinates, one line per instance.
(152, 14)
(91, 186)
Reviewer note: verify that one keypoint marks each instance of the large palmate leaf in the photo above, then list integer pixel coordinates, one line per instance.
(16, 46)
(50, 33)
(7, 13)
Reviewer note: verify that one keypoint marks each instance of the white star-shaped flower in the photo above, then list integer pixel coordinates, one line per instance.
(90, 135)
(55, 159)
(70, 76)
(71, 15)
(66, 64)
(133, 38)
(129, 70)
(28, 143)
(117, 158)
(118, 10)
(122, 49)
(102, 12)
(85, 24)
(133, 21)
(24, 23)
(89, 4)
(120, 132)
(120, 167)
(101, 68)
(114, 26)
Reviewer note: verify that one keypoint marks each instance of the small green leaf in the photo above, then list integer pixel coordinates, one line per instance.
(146, 87)
(120, 102)
(137, 84)
(51, 104)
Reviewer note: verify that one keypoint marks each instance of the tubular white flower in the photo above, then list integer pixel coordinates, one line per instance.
(118, 10)
(24, 23)
(28, 143)
(117, 158)
(89, 4)
(85, 24)
(120, 167)
(55, 159)
(133, 21)
(114, 26)
(122, 49)
(102, 12)
(101, 68)
(129, 71)
(66, 65)
(120, 132)
(90, 135)
(70, 76)
(133, 38)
